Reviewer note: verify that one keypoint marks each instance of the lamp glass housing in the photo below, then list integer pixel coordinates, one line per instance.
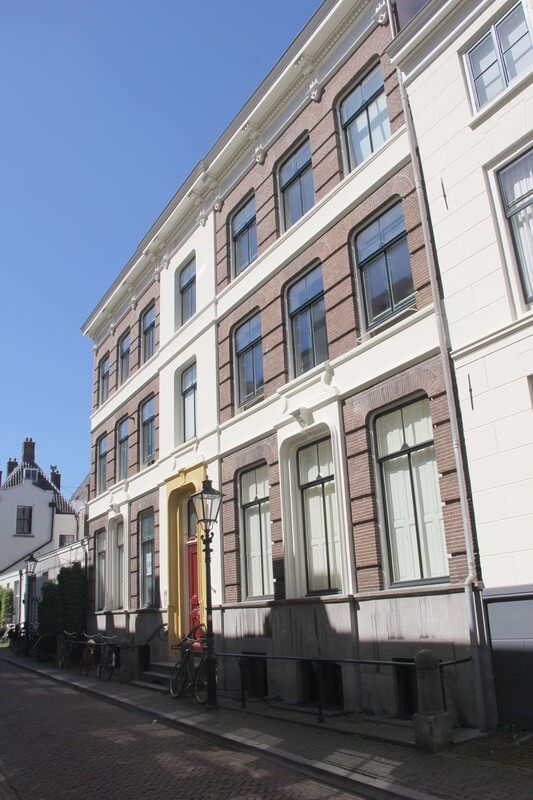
(207, 504)
(31, 563)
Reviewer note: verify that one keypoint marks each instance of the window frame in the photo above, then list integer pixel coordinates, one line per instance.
(118, 570)
(24, 520)
(147, 457)
(122, 450)
(301, 488)
(361, 298)
(147, 333)
(490, 31)
(186, 291)
(526, 299)
(146, 599)
(238, 353)
(100, 548)
(101, 464)
(309, 304)
(297, 176)
(266, 536)
(245, 228)
(381, 496)
(343, 126)
(123, 357)
(104, 367)
(184, 394)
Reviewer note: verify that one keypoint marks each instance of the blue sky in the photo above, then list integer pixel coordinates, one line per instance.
(105, 107)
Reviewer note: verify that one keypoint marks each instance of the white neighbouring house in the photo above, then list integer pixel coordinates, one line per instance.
(35, 519)
(467, 68)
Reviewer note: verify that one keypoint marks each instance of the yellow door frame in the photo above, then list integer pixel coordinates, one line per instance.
(179, 489)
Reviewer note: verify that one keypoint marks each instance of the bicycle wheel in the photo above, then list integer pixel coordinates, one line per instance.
(178, 679)
(109, 664)
(200, 682)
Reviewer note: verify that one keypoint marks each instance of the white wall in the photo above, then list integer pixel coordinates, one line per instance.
(491, 327)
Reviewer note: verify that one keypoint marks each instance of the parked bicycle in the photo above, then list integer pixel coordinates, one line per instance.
(108, 657)
(65, 658)
(89, 656)
(186, 675)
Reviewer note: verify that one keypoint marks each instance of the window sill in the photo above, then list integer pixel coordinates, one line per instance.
(490, 108)
(24, 535)
(253, 402)
(399, 315)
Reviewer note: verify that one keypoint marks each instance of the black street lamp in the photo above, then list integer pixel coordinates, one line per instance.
(31, 563)
(207, 505)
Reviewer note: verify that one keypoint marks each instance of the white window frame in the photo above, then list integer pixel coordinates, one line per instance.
(294, 553)
(404, 306)
(141, 550)
(147, 328)
(296, 177)
(103, 379)
(245, 228)
(147, 458)
(345, 147)
(307, 305)
(242, 537)
(122, 359)
(241, 403)
(118, 451)
(117, 565)
(510, 264)
(490, 30)
(386, 557)
(100, 547)
(101, 460)
(180, 437)
(179, 318)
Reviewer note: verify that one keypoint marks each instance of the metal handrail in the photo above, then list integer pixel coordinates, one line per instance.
(316, 660)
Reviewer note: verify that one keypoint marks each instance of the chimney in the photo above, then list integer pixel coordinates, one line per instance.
(28, 451)
(11, 465)
(55, 477)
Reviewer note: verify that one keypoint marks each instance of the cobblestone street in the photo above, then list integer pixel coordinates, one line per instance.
(57, 744)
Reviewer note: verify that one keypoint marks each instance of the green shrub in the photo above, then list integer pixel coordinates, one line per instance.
(6, 604)
(72, 584)
(48, 609)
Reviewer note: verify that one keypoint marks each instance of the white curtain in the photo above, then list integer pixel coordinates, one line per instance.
(401, 519)
(258, 539)
(414, 554)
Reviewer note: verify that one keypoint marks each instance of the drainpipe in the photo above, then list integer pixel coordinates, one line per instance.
(444, 346)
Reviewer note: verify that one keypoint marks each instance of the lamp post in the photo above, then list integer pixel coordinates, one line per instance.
(31, 563)
(207, 505)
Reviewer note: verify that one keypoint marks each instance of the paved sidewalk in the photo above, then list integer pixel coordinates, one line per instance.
(366, 767)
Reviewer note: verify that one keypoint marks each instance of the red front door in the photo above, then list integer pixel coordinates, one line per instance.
(194, 604)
